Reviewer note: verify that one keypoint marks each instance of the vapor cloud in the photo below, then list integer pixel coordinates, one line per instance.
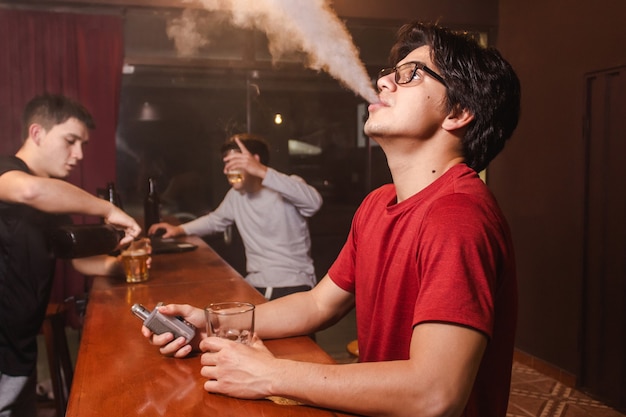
(308, 26)
(185, 34)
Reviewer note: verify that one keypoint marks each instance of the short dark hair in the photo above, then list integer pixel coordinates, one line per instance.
(49, 110)
(479, 80)
(256, 144)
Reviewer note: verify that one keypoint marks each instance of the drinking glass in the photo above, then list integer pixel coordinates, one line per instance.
(135, 260)
(231, 320)
(234, 176)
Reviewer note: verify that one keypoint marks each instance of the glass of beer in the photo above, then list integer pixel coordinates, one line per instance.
(135, 260)
(234, 176)
(231, 320)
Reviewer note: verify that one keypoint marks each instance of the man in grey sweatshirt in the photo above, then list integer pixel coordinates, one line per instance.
(270, 210)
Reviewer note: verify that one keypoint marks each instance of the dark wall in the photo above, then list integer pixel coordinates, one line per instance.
(540, 178)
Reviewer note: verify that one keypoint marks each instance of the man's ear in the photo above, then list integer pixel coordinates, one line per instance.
(36, 132)
(457, 119)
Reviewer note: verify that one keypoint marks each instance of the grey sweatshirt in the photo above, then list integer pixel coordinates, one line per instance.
(273, 226)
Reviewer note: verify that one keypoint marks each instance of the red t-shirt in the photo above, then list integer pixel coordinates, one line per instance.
(443, 255)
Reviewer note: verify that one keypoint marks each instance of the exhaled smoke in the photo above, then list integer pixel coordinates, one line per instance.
(184, 32)
(309, 26)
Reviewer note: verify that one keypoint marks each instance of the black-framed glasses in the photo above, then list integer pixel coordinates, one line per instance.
(407, 72)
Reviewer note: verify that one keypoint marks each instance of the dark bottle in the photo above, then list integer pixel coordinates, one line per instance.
(151, 206)
(82, 240)
(113, 196)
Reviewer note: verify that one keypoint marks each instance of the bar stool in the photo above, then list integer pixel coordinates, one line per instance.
(59, 361)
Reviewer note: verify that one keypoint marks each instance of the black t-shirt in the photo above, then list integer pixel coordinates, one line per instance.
(26, 271)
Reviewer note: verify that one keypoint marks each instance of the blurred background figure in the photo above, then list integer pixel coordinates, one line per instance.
(270, 210)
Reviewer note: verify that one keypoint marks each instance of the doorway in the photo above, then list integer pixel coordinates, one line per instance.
(603, 344)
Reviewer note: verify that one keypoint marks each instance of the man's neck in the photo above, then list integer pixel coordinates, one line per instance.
(29, 158)
(414, 179)
(414, 164)
(253, 185)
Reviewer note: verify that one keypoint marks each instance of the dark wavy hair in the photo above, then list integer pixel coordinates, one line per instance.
(49, 110)
(479, 80)
(256, 144)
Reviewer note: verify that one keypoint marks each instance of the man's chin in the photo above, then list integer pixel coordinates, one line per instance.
(238, 186)
(60, 176)
(372, 131)
(66, 171)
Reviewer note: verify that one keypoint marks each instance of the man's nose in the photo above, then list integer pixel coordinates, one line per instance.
(77, 151)
(386, 81)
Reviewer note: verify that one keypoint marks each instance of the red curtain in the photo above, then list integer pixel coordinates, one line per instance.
(80, 56)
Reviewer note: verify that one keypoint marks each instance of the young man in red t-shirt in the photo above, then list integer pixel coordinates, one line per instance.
(428, 263)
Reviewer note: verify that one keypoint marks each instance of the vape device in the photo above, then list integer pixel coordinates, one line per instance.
(160, 323)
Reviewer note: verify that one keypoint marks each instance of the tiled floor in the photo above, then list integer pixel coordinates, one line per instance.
(533, 394)
(536, 395)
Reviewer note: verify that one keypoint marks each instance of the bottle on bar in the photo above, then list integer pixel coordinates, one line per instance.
(113, 196)
(82, 240)
(151, 206)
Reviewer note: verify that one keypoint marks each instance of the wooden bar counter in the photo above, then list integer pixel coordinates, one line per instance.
(118, 373)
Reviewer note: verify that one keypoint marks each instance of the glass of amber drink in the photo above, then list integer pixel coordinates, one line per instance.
(135, 260)
(234, 176)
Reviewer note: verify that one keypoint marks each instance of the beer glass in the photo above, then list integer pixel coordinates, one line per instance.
(135, 260)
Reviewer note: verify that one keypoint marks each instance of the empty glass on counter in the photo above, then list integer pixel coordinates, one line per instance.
(231, 320)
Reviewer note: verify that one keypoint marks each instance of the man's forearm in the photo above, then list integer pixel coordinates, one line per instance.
(303, 313)
(391, 388)
(284, 317)
(58, 196)
(101, 265)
